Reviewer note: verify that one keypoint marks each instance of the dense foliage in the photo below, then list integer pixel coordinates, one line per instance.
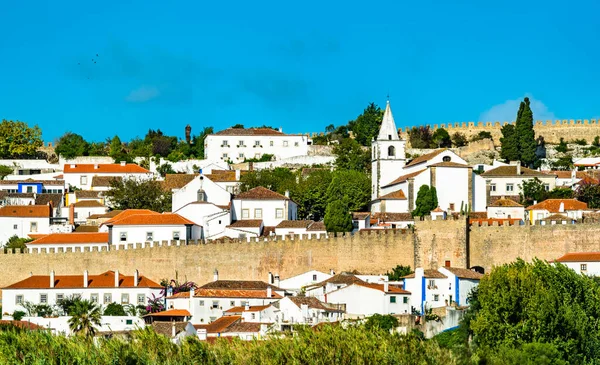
(18, 140)
(426, 201)
(398, 272)
(589, 192)
(350, 155)
(5, 171)
(139, 194)
(518, 141)
(337, 217)
(534, 191)
(17, 243)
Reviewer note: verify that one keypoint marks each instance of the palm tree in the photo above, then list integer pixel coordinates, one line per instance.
(85, 317)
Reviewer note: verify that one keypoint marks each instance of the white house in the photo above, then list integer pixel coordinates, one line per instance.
(81, 175)
(569, 208)
(307, 310)
(440, 288)
(365, 299)
(391, 220)
(261, 203)
(22, 221)
(108, 324)
(506, 209)
(239, 144)
(507, 181)
(83, 209)
(103, 289)
(138, 228)
(214, 219)
(33, 186)
(592, 163)
(259, 313)
(335, 282)
(569, 179)
(587, 263)
(304, 227)
(229, 180)
(200, 189)
(296, 283)
(74, 241)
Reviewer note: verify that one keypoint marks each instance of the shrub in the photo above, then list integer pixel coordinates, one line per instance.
(18, 315)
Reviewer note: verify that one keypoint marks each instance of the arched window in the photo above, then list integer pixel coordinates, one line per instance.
(391, 151)
(201, 195)
(446, 159)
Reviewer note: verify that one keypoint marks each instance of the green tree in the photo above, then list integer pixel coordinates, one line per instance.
(18, 140)
(238, 126)
(17, 243)
(165, 169)
(509, 143)
(116, 147)
(311, 194)
(426, 201)
(562, 146)
(526, 135)
(97, 149)
(420, 137)
(85, 318)
(5, 171)
(459, 139)
(589, 193)
(114, 309)
(338, 217)
(596, 142)
(440, 138)
(198, 145)
(352, 188)
(138, 194)
(561, 193)
(533, 191)
(482, 135)
(385, 322)
(350, 155)
(522, 303)
(366, 126)
(279, 180)
(18, 315)
(563, 163)
(71, 145)
(398, 272)
(161, 144)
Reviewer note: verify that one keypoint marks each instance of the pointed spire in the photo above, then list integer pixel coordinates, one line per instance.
(388, 130)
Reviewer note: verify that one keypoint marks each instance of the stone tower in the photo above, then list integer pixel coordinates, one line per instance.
(388, 155)
(188, 133)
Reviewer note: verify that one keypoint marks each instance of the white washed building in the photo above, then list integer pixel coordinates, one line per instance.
(261, 203)
(81, 175)
(585, 263)
(365, 299)
(138, 228)
(22, 221)
(74, 241)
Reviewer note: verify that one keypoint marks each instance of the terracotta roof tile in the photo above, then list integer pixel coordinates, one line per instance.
(437, 210)
(428, 273)
(239, 284)
(219, 325)
(464, 273)
(567, 174)
(504, 202)
(233, 293)
(43, 182)
(341, 278)
(177, 181)
(311, 302)
(165, 328)
(109, 168)
(246, 223)
(249, 132)
(391, 288)
(558, 217)
(580, 257)
(294, 224)
(317, 227)
(252, 308)
(104, 181)
(425, 157)
(243, 327)
(89, 204)
(120, 214)
(260, 193)
(23, 325)
(360, 215)
(45, 198)
(449, 164)
(404, 178)
(393, 217)
(151, 220)
(83, 194)
(394, 195)
(85, 228)
(73, 237)
(170, 313)
(40, 211)
(224, 175)
(511, 170)
(104, 280)
(553, 205)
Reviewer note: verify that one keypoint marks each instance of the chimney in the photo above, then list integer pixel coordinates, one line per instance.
(216, 275)
(386, 285)
(518, 168)
(247, 306)
(123, 163)
(95, 166)
(73, 165)
(72, 214)
(561, 209)
(116, 278)
(287, 193)
(573, 176)
(85, 279)
(280, 130)
(136, 278)
(192, 292)
(331, 272)
(269, 292)
(304, 309)
(173, 329)
(270, 281)
(201, 334)
(237, 174)
(251, 166)
(276, 281)
(52, 279)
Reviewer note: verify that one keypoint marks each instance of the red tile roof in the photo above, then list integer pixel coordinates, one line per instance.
(120, 214)
(246, 223)
(553, 205)
(253, 308)
(437, 210)
(243, 327)
(449, 164)
(317, 227)
(311, 302)
(218, 325)
(580, 257)
(294, 224)
(233, 293)
(503, 202)
(109, 168)
(567, 174)
(170, 313)
(30, 211)
(391, 288)
(104, 280)
(393, 217)
(224, 175)
(425, 157)
(511, 170)
(74, 237)
(177, 181)
(104, 181)
(260, 193)
(395, 195)
(239, 284)
(89, 204)
(464, 273)
(249, 132)
(151, 220)
(403, 178)
(428, 273)
(23, 325)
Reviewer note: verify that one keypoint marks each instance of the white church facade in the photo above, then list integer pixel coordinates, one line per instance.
(396, 179)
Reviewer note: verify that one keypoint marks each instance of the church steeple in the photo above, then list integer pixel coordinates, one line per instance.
(388, 130)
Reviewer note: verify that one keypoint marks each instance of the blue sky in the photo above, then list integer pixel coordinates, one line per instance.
(296, 65)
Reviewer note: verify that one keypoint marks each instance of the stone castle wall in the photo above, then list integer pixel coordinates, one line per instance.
(552, 131)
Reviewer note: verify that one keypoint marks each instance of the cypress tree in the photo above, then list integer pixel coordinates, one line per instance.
(526, 135)
(510, 143)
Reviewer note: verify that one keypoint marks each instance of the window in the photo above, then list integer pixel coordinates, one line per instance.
(30, 189)
(15, 226)
(391, 151)
(296, 144)
(224, 156)
(229, 189)
(253, 315)
(141, 299)
(510, 187)
(124, 298)
(232, 303)
(75, 215)
(107, 298)
(547, 187)
(405, 300)
(257, 143)
(278, 213)
(19, 299)
(446, 158)
(225, 144)
(285, 143)
(83, 180)
(258, 213)
(243, 303)
(33, 227)
(436, 298)
(393, 299)
(201, 303)
(215, 304)
(43, 298)
(129, 321)
(245, 213)
(94, 298)
(149, 236)
(123, 236)
(241, 156)
(241, 144)
(271, 143)
(583, 267)
(212, 319)
(492, 187)
(314, 277)
(59, 297)
(176, 236)
(201, 195)
(540, 216)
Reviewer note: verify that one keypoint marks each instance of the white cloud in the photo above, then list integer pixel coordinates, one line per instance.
(507, 111)
(142, 94)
